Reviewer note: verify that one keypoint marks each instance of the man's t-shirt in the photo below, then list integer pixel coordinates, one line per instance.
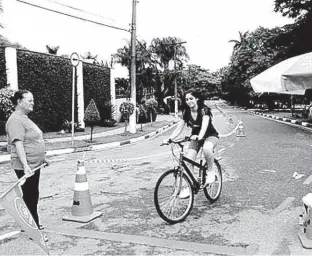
(196, 124)
(20, 127)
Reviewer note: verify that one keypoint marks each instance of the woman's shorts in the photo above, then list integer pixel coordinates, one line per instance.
(197, 144)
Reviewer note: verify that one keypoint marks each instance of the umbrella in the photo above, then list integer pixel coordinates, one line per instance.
(291, 76)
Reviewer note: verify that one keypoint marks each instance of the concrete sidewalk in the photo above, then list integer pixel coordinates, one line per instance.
(283, 117)
(170, 118)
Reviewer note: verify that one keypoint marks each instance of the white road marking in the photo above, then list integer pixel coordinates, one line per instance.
(266, 170)
(287, 202)
(10, 234)
(308, 180)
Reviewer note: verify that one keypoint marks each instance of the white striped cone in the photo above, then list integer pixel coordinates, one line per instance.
(240, 132)
(82, 209)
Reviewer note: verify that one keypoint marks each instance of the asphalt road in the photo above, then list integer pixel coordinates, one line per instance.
(256, 214)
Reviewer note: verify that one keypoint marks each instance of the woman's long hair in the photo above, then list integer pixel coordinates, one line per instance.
(201, 101)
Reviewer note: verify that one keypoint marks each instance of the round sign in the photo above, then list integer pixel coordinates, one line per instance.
(74, 59)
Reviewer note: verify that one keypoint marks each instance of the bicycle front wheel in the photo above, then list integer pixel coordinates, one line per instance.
(213, 191)
(173, 196)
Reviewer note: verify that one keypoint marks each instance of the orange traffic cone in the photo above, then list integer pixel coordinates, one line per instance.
(240, 132)
(305, 235)
(82, 209)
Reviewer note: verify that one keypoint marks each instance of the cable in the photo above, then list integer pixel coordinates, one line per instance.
(77, 9)
(73, 16)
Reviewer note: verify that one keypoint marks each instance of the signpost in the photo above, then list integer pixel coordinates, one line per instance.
(74, 59)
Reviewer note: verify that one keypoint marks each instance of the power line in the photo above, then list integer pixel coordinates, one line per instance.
(73, 16)
(77, 9)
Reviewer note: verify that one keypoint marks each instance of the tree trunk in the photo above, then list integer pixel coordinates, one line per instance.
(126, 124)
(91, 132)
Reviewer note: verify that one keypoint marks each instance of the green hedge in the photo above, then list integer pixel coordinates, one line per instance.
(49, 78)
(96, 80)
(3, 76)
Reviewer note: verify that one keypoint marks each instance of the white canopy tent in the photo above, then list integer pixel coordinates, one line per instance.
(292, 76)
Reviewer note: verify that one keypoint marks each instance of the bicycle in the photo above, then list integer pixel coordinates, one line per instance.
(172, 207)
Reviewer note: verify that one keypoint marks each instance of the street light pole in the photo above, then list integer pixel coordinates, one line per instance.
(132, 119)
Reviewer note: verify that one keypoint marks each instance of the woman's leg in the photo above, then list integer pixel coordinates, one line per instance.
(208, 147)
(31, 192)
(192, 153)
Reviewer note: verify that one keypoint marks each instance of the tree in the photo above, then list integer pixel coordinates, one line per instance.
(298, 9)
(258, 51)
(126, 109)
(52, 49)
(144, 64)
(151, 106)
(92, 116)
(168, 50)
(6, 106)
(239, 43)
(89, 56)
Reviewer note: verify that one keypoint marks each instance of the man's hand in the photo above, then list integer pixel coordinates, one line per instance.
(46, 161)
(28, 172)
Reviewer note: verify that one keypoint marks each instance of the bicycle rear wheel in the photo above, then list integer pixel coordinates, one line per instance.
(213, 191)
(171, 205)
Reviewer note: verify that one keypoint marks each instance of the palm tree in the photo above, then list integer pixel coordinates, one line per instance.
(168, 49)
(52, 49)
(89, 56)
(144, 62)
(242, 40)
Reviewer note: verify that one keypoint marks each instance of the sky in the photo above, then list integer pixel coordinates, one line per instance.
(206, 26)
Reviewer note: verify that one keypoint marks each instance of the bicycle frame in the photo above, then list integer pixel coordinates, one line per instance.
(182, 162)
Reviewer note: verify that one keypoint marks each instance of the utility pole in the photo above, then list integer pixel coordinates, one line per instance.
(176, 110)
(132, 119)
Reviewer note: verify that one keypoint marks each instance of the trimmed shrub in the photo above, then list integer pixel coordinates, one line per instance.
(92, 116)
(151, 106)
(96, 80)
(6, 105)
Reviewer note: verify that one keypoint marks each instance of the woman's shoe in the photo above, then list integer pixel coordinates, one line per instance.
(184, 193)
(41, 227)
(210, 178)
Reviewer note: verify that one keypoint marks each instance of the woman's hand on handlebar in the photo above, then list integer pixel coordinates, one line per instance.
(194, 137)
(166, 142)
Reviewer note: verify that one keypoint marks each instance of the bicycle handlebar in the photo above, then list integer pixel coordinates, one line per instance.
(179, 142)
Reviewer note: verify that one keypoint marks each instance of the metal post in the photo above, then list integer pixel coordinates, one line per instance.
(73, 106)
(132, 119)
(175, 87)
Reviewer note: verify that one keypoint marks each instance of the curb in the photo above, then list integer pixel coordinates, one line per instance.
(283, 119)
(7, 157)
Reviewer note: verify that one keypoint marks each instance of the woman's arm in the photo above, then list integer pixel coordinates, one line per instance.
(22, 156)
(204, 127)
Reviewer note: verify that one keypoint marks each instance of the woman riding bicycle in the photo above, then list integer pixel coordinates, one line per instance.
(198, 116)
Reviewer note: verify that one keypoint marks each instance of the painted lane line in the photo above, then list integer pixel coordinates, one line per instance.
(287, 202)
(156, 242)
(8, 235)
(266, 170)
(308, 180)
